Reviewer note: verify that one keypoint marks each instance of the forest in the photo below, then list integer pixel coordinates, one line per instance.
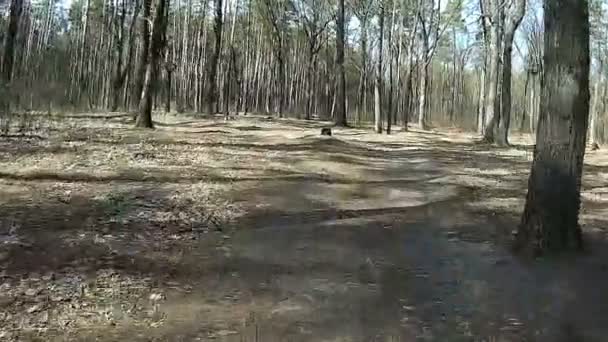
(303, 170)
(435, 63)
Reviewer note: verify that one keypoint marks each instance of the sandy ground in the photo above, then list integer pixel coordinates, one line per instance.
(262, 230)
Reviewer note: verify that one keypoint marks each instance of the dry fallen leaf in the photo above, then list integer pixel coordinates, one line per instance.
(34, 308)
(32, 292)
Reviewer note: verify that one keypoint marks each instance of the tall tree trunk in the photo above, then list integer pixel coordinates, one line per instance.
(505, 109)
(525, 109)
(144, 119)
(340, 116)
(118, 80)
(11, 37)
(169, 68)
(362, 96)
(550, 219)
(281, 81)
(483, 77)
(309, 83)
(454, 86)
(504, 122)
(422, 96)
(595, 109)
(492, 111)
(379, 75)
(533, 104)
(481, 106)
(140, 73)
(212, 83)
(390, 109)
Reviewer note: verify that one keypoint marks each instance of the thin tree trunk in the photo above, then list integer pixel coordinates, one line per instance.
(454, 86)
(212, 83)
(340, 114)
(595, 109)
(378, 85)
(422, 96)
(390, 113)
(140, 73)
(507, 55)
(169, 67)
(11, 37)
(522, 123)
(492, 113)
(533, 105)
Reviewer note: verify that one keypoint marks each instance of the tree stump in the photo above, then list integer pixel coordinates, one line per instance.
(326, 131)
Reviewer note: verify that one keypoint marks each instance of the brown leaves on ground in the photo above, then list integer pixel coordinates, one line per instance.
(108, 231)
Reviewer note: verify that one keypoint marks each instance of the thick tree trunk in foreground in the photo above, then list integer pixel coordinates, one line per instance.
(144, 118)
(550, 219)
(340, 117)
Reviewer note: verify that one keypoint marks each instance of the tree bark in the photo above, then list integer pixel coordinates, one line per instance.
(378, 85)
(422, 97)
(118, 78)
(492, 110)
(11, 36)
(514, 20)
(140, 73)
(340, 116)
(212, 93)
(533, 104)
(144, 118)
(481, 109)
(390, 110)
(550, 219)
(169, 67)
(595, 109)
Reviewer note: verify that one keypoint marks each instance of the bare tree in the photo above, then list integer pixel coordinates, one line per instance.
(379, 72)
(513, 19)
(142, 63)
(340, 116)
(212, 93)
(315, 17)
(502, 17)
(11, 36)
(550, 219)
(155, 47)
(363, 11)
(432, 27)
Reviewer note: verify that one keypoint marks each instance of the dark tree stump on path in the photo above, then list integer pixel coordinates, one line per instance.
(326, 131)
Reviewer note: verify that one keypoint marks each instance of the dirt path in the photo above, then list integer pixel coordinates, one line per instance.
(352, 238)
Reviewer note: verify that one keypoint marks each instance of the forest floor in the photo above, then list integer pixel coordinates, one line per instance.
(260, 229)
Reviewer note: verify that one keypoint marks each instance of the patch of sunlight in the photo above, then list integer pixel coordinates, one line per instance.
(476, 181)
(514, 205)
(325, 167)
(598, 195)
(489, 172)
(377, 196)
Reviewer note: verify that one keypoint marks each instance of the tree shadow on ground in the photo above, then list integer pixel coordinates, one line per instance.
(396, 253)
